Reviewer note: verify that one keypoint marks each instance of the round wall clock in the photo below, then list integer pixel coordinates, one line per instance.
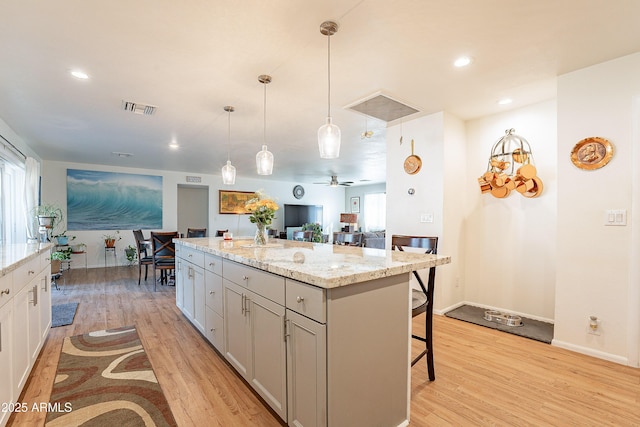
(592, 153)
(298, 191)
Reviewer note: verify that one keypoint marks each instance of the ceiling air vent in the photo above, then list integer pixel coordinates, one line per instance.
(382, 107)
(137, 108)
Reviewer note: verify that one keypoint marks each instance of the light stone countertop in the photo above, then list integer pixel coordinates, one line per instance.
(323, 265)
(14, 255)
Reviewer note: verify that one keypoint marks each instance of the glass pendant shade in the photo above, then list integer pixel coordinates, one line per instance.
(264, 161)
(228, 174)
(329, 140)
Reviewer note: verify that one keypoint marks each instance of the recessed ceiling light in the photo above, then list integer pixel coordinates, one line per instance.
(79, 74)
(505, 101)
(463, 61)
(174, 145)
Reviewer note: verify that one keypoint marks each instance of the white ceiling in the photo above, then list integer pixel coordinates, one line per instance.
(193, 57)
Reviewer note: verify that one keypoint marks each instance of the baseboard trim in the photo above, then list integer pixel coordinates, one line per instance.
(591, 352)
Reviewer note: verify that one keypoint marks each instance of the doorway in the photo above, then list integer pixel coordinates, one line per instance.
(193, 207)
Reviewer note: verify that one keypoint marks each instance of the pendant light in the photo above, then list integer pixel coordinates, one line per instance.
(329, 134)
(228, 170)
(264, 158)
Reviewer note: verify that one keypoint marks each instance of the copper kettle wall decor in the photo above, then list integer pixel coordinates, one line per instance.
(510, 167)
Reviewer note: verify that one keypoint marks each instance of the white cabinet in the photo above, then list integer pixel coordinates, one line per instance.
(179, 283)
(236, 327)
(25, 320)
(20, 335)
(6, 374)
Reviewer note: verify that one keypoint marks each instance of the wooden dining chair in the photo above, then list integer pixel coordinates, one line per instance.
(303, 236)
(164, 255)
(196, 232)
(422, 299)
(144, 257)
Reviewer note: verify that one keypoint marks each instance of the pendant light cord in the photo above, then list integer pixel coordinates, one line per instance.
(229, 136)
(329, 76)
(265, 114)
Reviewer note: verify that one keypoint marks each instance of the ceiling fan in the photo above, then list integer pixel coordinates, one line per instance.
(334, 182)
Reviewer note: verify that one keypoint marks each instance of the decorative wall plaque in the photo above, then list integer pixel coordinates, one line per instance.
(592, 153)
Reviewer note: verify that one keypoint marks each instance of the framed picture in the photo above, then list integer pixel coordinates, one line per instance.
(232, 202)
(592, 153)
(355, 205)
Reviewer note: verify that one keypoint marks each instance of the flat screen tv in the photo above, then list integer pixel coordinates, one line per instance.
(296, 215)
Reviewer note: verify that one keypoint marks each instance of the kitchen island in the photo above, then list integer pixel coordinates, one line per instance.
(321, 332)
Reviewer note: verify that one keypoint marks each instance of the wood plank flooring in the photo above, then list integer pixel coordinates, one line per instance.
(484, 377)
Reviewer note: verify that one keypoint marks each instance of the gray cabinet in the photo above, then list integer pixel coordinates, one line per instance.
(214, 296)
(254, 331)
(306, 371)
(6, 373)
(190, 286)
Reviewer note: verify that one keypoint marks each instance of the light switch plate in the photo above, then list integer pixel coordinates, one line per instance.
(426, 217)
(615, 217)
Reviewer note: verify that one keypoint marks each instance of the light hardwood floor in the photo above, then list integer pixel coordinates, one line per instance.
(483, 377)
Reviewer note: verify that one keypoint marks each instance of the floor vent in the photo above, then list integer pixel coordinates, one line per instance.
(137, 108)
(382, 107)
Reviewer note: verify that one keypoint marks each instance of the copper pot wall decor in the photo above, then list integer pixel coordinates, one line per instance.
(510, 167)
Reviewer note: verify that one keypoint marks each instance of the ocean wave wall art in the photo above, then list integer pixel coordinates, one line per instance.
(113, 201)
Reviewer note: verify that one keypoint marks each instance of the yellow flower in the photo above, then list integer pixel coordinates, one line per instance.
(262, 209)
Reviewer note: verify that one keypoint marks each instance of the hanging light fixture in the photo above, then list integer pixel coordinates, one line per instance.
(329, 134)
(228, 170)
(264, 158)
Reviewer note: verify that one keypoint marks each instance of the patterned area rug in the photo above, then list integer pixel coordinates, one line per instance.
(104, 378)
(63, 314)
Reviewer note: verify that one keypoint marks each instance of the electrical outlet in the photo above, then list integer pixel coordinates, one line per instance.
(457, 282)
(594, 325)
(426, 217)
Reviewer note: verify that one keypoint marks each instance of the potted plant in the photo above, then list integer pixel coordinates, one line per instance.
(62, 239)
(317, 231)
(131, 253)
(79, 248)
(110, 239)
(49, 215)
(61, 255)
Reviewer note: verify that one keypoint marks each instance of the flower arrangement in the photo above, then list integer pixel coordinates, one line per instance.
(262, 212)
(111, 239)
(263, 209)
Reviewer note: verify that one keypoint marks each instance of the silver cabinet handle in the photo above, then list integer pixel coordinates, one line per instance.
(5, 292)
(46, 284)
(31, 272)
(211, 264)
(245, 277)
(242, 304)
(190, 255)
(211, 292)
(212, 330)
(300, 299)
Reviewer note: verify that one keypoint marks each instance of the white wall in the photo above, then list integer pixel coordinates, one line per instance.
(510, 243)
(54, 189)
(596, 274)
(360, 191)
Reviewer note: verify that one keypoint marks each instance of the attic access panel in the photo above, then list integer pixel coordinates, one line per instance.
(384, 108)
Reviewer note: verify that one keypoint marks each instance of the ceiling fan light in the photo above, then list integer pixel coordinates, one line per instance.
(329, 140)
(228, 174)
(264, 161)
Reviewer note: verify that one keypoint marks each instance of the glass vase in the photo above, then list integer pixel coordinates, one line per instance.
(260, 238)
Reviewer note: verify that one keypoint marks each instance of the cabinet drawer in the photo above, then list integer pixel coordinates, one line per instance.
(266, 284)
(307, 300)
(45, 259)
(213, 295)
(6, 288)
(194, 256)
(25, 273)
(214, 330)
(213, 263)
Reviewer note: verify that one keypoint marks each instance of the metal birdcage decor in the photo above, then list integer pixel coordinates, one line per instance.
(510, 167)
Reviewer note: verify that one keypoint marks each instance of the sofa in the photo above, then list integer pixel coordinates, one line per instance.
(373, 239)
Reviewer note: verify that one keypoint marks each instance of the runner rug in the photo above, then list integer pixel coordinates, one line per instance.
(104, 378)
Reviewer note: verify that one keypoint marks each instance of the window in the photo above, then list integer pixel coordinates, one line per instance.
(12, 215)
(375, 211)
